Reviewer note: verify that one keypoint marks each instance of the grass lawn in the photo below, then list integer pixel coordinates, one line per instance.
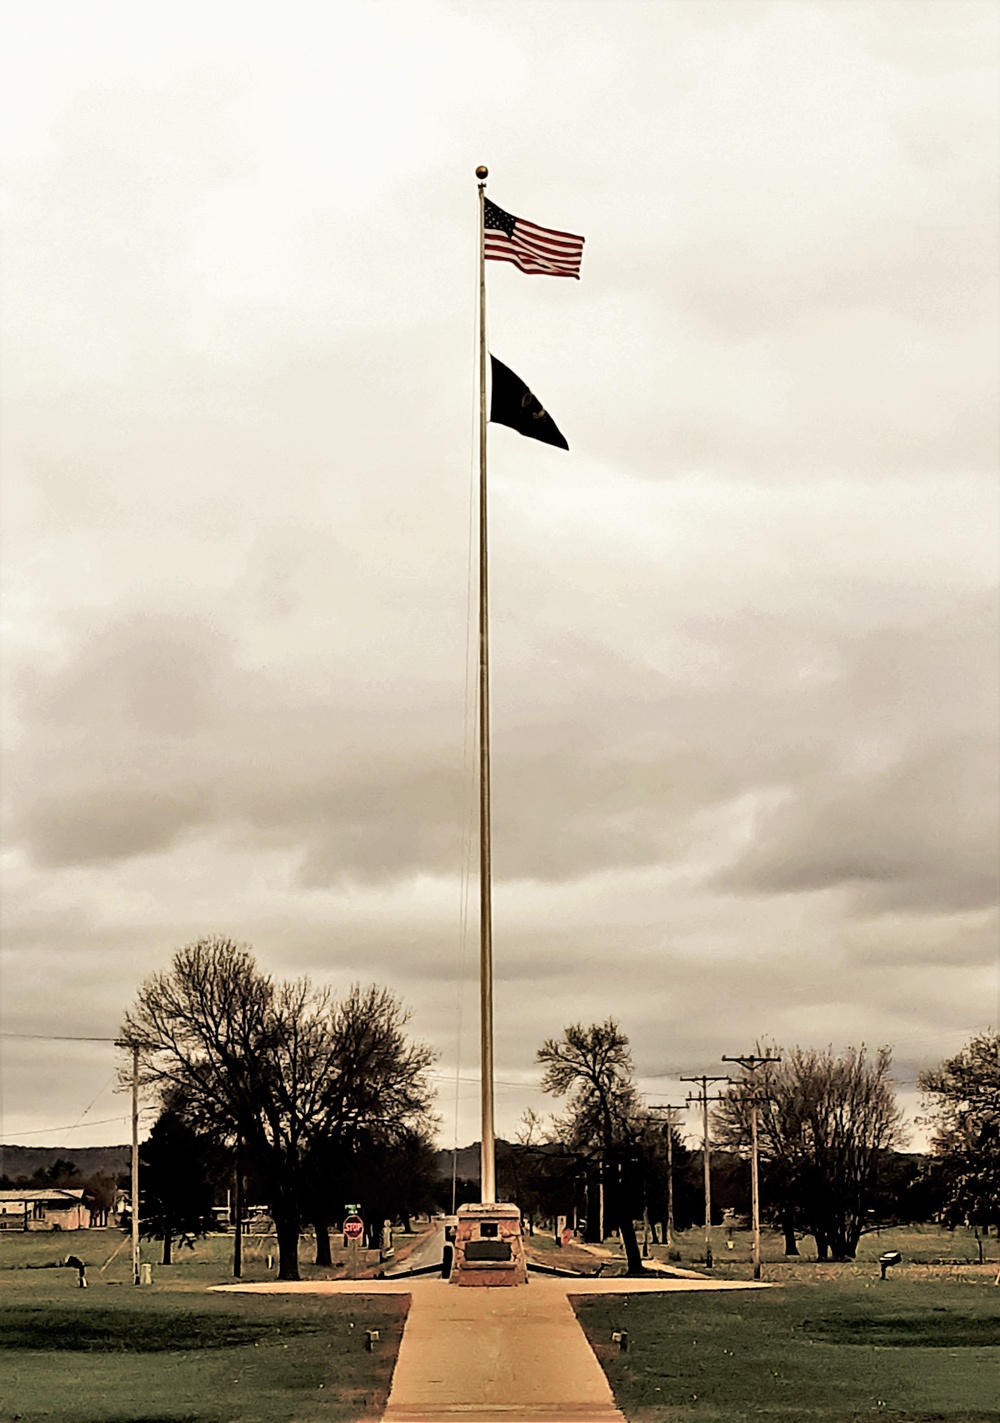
(543, 1249)
(118, 1353)
(930, 1245)
(845, 1347)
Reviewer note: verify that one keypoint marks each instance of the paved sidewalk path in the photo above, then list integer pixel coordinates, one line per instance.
(656, 1267)
(504, 1355)
(497, 1356)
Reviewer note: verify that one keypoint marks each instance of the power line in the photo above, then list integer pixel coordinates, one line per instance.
(76, 1126)
(60, 1038)
(68, 1038)
(501, 1081)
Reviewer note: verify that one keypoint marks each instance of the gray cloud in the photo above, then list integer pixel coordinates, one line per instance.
(744, 634)
(921, 834)
(859, 772)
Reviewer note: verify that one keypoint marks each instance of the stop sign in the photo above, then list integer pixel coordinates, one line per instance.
(354, 1227)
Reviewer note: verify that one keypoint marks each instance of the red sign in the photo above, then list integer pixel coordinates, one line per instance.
(354, 1227)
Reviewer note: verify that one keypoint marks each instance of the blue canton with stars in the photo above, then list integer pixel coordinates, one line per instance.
(497, 219)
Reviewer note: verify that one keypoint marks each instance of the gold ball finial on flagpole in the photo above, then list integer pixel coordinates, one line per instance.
(482, 172)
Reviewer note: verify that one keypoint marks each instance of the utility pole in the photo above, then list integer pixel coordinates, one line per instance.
(135, 1164)
(704, 1098)
(238, 1193)
(751, 1061)
(670, 1187)
(669, 1108)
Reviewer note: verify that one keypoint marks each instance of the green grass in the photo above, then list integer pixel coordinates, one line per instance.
(731, 1249)
(543, 1248)
(913, 1327)
(834, 1345)
(174, 1352)
(843, 1348)
(123, 1330)
(106, 1254)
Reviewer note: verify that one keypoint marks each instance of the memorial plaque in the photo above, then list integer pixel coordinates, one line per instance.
(488, 1250)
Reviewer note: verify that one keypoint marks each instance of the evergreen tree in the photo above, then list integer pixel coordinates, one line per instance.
(62, 1174)
(100, 1192)
(963, 1100)
(175, 1193)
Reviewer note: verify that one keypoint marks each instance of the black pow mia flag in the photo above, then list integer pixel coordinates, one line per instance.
(513, 404)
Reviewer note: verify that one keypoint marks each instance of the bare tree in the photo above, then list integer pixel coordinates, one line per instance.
(372, 1096)
(593, 1067)
(824, 1124)
(536, 1172)
(282, 1067)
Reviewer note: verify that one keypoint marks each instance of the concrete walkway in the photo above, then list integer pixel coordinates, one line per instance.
(656, 1267)
(497, 1356)
(516, 1355)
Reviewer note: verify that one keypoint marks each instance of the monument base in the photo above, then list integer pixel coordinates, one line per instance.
(488, 1250)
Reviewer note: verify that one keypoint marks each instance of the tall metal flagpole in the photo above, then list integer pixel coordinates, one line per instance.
(487, 1159)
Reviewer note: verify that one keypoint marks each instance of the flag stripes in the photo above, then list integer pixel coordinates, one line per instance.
(538, 251)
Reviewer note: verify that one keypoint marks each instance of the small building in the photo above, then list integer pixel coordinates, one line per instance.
(47, 1208)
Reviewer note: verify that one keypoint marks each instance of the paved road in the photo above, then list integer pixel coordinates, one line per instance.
(430, 1251)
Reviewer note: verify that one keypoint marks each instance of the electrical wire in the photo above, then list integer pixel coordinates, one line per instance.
(58, 1038)
(43, 1131)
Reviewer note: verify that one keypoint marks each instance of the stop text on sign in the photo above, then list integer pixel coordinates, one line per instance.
(353, 1227)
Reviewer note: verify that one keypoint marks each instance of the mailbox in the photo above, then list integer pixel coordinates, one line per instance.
(488, 1248)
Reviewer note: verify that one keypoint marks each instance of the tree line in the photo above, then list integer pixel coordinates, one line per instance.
(830, 1139)
(318, 1101)
(99, 1188)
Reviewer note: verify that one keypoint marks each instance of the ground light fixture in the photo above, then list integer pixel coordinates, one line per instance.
(890, 1257)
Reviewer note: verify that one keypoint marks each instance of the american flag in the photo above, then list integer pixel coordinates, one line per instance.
(535, 250)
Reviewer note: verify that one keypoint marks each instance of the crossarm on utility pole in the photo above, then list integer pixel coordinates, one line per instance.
(704, 1099)
(750, 1062)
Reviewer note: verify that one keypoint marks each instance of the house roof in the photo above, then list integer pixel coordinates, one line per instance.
(53, 1193)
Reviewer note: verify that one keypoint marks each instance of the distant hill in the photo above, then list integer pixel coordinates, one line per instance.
(467, 1166)
(17, 1161)
(115, 1160)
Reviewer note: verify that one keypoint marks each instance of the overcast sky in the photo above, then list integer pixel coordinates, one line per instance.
(744, 632)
